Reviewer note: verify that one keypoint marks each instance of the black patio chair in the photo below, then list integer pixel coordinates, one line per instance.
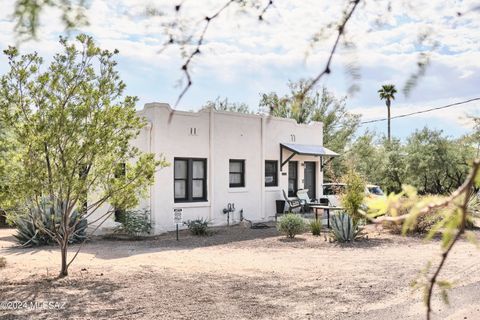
(293, 203)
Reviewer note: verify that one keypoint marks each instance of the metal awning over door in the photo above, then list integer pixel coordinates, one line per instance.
(306, 149)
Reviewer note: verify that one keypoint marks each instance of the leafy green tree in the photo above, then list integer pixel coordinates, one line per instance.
(339, 125)
(364, 156)
(72, 126)
(387, 92)
(429, 161)
(225, 105)
(293, 106)
(354, 194)
(379, 161)
(437, 164)
(393, 165)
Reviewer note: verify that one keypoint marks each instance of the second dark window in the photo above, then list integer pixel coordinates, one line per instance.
(237, 173)
(271, 173)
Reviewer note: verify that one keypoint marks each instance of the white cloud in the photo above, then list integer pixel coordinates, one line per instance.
(243, 53)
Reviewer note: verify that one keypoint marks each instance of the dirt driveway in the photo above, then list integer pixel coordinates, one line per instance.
(237, 273)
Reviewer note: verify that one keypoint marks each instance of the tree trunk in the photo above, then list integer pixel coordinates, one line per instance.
(64, 271)
(388, 116)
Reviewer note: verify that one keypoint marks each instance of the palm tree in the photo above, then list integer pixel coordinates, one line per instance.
(387, 93)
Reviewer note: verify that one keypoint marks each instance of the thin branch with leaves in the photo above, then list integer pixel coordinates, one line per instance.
(452, 226)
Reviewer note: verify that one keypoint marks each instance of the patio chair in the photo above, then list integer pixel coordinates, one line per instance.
(293, 203)
(304, 198)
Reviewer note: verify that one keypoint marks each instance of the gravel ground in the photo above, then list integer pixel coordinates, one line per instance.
(238, 273)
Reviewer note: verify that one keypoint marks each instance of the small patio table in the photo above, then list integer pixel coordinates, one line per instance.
(316, 206)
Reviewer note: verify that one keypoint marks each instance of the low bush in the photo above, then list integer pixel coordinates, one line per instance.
(135, 223)
(198, 227)
(316, 227)
(291, 225)
(426, 222)
(3, 262)
(423, 224)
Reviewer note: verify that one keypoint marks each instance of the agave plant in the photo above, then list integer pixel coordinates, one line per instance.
(30, 228)
(343, 228)
(473, 208)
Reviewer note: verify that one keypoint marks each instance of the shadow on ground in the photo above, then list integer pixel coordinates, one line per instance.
(80, 298)
(125, 248)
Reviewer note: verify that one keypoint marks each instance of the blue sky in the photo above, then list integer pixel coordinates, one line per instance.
(243, 58)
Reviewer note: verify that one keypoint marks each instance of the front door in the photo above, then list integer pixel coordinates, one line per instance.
(309, 177)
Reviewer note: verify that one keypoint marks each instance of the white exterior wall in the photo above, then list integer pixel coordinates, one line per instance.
(221, 136)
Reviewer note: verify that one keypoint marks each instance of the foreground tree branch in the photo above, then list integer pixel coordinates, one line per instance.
(452, 226)
(340, 32)
(463, 191)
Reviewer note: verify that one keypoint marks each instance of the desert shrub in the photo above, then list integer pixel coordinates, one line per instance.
(343, 228)
(426, 222)
(3, 262)
(354, 195)
(316, 227)
(291, 225)
(395, 227)
(31, 227)
(198, 227)
(423, 224)
(135, 223)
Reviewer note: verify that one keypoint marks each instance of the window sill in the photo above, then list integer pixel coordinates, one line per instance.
(238, 190)
(272, 189)
(198, 204)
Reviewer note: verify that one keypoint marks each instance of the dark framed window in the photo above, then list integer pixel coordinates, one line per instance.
(292, 178)
(236, 173)
(271, 173)
(190, 179)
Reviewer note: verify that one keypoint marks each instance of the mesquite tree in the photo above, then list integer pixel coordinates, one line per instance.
(72, 126)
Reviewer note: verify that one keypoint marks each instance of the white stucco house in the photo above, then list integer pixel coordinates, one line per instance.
(219, 158)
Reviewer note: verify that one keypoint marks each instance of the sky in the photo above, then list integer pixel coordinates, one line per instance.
(243, 57)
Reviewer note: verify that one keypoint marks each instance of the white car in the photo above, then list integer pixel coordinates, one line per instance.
(332, 191)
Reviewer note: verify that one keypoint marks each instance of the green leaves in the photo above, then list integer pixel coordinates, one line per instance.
(354, 195)
(225, 105)
(68, 116)
(70, 127)
(27, 15)
(387, 92)
(339, 125)
(429, 161)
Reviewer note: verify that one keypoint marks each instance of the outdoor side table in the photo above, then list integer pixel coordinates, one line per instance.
(324, 207)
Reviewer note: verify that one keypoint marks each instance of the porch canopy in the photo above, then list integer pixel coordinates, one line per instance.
(306, 149)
